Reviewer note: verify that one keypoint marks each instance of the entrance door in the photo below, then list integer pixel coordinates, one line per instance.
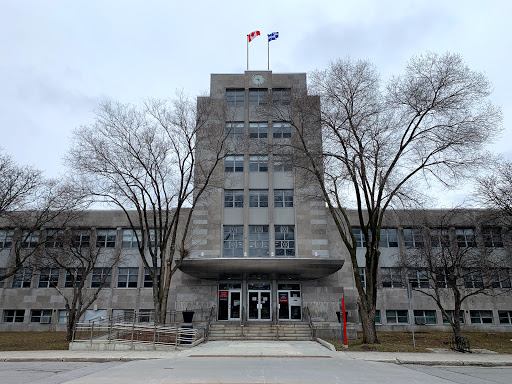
(289, 301)
(259, 305)
(230, 301)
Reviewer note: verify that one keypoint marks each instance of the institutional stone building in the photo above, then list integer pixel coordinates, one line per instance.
(263, 247)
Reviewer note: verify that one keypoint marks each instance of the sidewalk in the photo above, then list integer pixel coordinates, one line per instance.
(264, 349)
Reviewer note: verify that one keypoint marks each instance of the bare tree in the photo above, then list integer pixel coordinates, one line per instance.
(385, 146)
(29, 202)
(143, 161)
(451, 267)
(495, 190)
(88, 270)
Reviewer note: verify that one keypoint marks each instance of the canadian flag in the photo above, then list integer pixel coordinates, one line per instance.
(253, 35)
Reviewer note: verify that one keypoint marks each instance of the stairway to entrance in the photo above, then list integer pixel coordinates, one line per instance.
(286, 332)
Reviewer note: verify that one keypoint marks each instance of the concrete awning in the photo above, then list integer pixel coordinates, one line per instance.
(269, 267)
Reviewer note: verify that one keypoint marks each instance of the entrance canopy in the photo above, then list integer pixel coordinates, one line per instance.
(269, 267)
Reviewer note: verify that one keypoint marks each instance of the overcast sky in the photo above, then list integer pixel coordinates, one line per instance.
(59, 59)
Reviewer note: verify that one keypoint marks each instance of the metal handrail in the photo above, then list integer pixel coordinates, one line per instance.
(210, 317)
(307, 317)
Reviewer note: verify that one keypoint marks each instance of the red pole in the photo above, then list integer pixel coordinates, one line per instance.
(344, 323)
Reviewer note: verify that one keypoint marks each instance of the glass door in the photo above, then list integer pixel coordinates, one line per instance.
(289, 301)
(234, 305)
(260, 305)
(229, 301)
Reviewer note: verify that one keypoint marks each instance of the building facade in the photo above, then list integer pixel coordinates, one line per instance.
(263, 247)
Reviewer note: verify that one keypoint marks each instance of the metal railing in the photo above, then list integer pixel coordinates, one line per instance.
(119, 330)
(210, 317)
(307, 318)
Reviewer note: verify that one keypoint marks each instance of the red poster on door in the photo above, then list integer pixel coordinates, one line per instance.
(283, 297)
(223, 295)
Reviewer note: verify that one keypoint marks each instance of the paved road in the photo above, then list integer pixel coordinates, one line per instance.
(249, 370)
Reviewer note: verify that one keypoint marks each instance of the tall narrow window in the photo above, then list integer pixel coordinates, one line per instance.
(74, 277)
(106, 238)
(391, 277)
(127, 277)
(388, 238)
(48, 277)
(81, 238)
(233, 198)
(258, 240)
(6, 236)
(22, 278)
(465, 237)
(29, 239)
(413, 238)
(54, 238)
(130, 238)
(233, 241)
(101, 277)
(258, 198)
(493, 237)
(285, 240)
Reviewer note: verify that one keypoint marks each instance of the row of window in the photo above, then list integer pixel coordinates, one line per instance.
(257, 163)
(233, 241)
(56, 238)
(426, 317)
(235, 130)
(127, 277)
(393, 277)
(258, 97)
(258, 198)
(416, 237)
(44, 316)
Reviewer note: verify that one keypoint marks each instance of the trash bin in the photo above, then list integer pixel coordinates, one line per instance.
(188, 316)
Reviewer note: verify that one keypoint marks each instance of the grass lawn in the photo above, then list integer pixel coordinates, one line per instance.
(32, 341)
(402, 342)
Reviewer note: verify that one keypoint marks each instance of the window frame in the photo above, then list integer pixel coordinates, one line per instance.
(393, 279)
(23, 276)
(284, 241)
(54, 238)
(451, 312)
(258, 163)
(388, 238)
(106, 237)
(6, 237)
(30, 239)
(70, 281)
(281, 130)
(233, 235)
(492, 237)
(477, 315)
(465, 237)
(233, 198)
(259, 241)
(258, 198)
(39, 315)
(234, 164)
(258, 130)
(148, 281)
(14, 314)
(418, 278)
(129, 281)
(284, 198)
(426, 316)
(101, 275)
(81, 238)
(48, 278)
(235, 130)
(397, 315)
(505, 315)
(235, 97)
(258, 97)
(413, 238)
(281, 96)
(129, 238)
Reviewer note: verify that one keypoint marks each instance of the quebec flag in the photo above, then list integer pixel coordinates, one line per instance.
(273, 36)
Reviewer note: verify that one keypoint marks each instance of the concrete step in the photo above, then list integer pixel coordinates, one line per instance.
(233, 331)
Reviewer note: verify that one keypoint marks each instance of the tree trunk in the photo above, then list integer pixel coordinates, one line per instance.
(368, 324)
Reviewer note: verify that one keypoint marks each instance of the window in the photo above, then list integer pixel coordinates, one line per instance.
(127, 277)
(481, 317)
(153, 237)
(285, 240)
(3, 271)
(233, 241)
(235, 97)
(283, 198)
(14, 315)
(501, 278)
(29, 239)
(62, 316)
(473, 278)
(419, 278)
(388, 238)
(130, 238)
(148, 281)
(281, 96)
(377, 317)
(465, 237)
(6, 236)
(43, 316)
(258, 163)
(439, 238)
(101, 277)
(413, 238)
(54, 238)
(146, 315)
(425, 317)
(235, 130)
(106, 238)
(281, 130)
(258, 240)
(441, 278)
(22, 278)
(73, 277)
(451, 313)
(234, 163)
(258, 130)
(493, 237)
(233, 198)
(505, 317)
(362, 275)
(391, 277)
(282, 164)
(397, 317)
(258, 198)
(81, 238)
(360, 239)
(48, 278)
(258, 97)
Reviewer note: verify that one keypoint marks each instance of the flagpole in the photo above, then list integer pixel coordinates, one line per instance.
(268, 53)
(247, 52)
